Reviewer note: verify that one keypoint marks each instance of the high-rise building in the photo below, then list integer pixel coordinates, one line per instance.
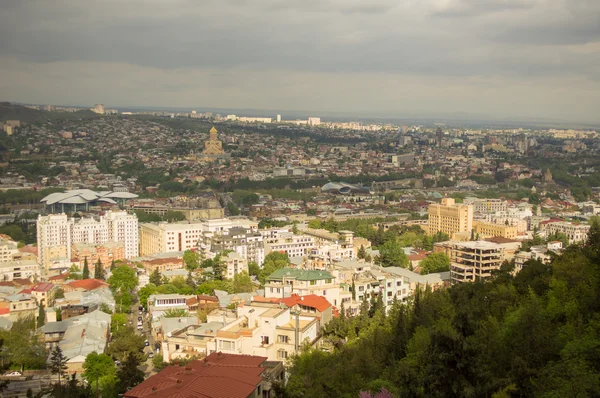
(314, 121)
(278, 118)
(450, 217)
(57, 233)
(439, 134)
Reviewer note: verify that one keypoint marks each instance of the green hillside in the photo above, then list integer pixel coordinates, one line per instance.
(10, 111)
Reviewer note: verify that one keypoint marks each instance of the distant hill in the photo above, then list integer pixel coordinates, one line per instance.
(10, 111)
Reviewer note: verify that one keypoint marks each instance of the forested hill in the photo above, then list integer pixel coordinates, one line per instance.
(10, 111)
(534, 334)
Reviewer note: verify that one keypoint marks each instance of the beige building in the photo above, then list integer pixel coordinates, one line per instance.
(476, 260)
(489, 230)
(450, 218)
(574, 232)
(168, 237)
(106, 253)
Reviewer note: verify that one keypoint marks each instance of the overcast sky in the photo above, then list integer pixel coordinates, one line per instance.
(500, 58)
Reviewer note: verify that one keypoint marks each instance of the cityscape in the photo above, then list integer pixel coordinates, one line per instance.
(387, 242)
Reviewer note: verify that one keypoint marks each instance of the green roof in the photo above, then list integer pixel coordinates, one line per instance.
(300, 274)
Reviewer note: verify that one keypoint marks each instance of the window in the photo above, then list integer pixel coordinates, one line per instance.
(226, 345)
(313, 283)
(282, 338)
(282, 354)
(265, 340)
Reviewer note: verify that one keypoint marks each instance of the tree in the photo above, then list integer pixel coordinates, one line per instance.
(175, 313)
(58, 363)
(41, 316)
(218, 266)
(190, 282)
(97, 367)
(129, 375)
(117, 320)
(391, 254)
(191, 259)
(253, 268)
(158, 362)
(125, 340)
(155, 277)
(112, 265)
(60, 293)
(123, 279)
(20, 346)
(99, 271)
(273, 262)
(435, 262)
(233, 209)
(86, 270)
(362, 252)
(242, 283)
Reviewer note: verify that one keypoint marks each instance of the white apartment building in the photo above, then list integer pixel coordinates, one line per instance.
(56, 234)
(293, 245)
(234, 264)
(182, 236)
(158, 304)
(485, 206)
(169, 237)
(266, 330)
(575, 232)
(287, 281)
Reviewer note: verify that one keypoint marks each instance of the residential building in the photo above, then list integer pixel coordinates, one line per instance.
(291, 244)
(485, 206)
(476, 260)
(106, 253)
(450, 218)
(286, 281)
(266, 329)
(246, 242)
(489, 230)
(575, 232)
(56, 233)
(158, 304)
(160, 261)
(77, 337)
(218, 375)
(19, 305)
(17, 269)
(234, 264)
(169, 237)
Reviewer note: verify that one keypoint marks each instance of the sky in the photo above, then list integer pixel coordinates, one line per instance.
(397, 58)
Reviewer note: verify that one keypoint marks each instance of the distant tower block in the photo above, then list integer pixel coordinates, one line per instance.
(438, 136)
(98, 108)
(278, 118)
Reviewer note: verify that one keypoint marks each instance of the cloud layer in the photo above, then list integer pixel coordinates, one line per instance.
(499, 57)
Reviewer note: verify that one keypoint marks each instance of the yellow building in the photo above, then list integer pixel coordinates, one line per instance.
(450, 218)
(213, 146)
(489, 230)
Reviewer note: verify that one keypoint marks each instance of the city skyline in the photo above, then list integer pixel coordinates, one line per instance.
(505, 59)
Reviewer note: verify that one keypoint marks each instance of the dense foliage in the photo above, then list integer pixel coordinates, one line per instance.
(536, 333)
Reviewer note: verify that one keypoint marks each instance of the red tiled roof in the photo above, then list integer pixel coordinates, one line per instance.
(43, 287)
(21, 282)
(59, 277)
(416, 257)
(319, 303)
(87, 284)
(218, 375)
(4, 311)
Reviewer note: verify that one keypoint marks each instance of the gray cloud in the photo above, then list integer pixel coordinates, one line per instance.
(438, 40)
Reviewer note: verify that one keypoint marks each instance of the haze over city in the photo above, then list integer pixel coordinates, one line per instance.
(496, 59)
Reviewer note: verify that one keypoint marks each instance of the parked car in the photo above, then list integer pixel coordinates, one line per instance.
(139, 327)
(151, 355)
(147, 343)
(13, 374)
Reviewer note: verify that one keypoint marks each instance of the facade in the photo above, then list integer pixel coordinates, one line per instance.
(488, 230)
(575, 232)
(213, 146)
(476, 260)
(234, 264)
(246, 242)
(57, 233)
(158, 304)
(267, 330)
(106, 253)
(485, 206)
(287, 281)
(291, 244)
(450, 218)
(169, 237)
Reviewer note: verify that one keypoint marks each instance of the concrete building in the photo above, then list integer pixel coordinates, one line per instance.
(234, 264)
(287, 281)
(106, 253)
(475, 260)
(246, 242)
(575, 232)
(489, 230)
(291, 244)
(57, 233)
(485, 206)
(169, 237)
(265, 329)
(450, 218)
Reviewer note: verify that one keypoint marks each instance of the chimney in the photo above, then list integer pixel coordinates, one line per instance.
(179, 383)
